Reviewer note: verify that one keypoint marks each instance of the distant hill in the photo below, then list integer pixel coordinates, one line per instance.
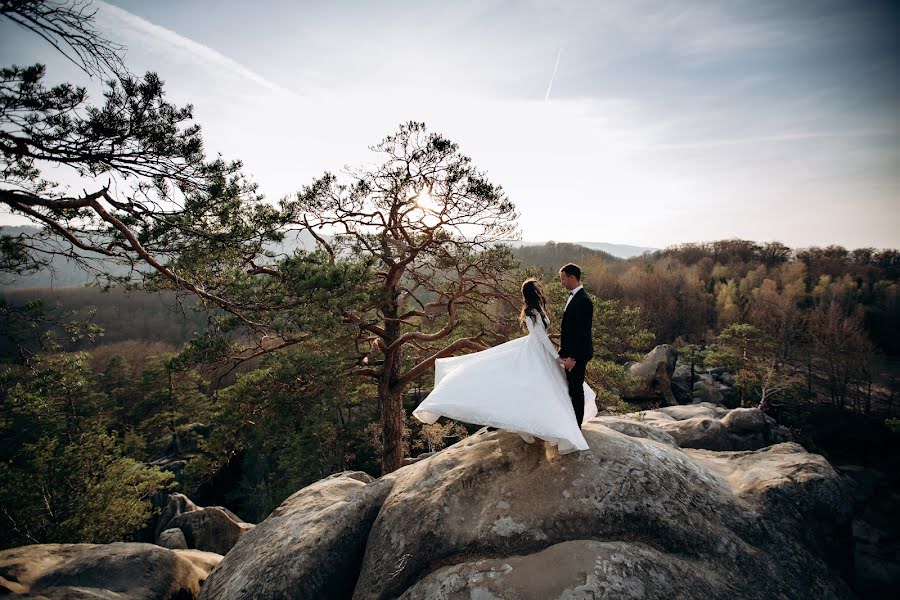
(65, 273)
(615, 250)
(549, 257)
(619, 250)
(124, 316)
(62, 272)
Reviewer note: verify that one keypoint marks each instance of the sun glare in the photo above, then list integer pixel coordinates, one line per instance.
(425, 201)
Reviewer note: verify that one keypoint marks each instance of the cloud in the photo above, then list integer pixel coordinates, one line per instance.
(703, 32)
(765, 139)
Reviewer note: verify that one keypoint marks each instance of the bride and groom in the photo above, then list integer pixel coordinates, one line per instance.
(525, 385)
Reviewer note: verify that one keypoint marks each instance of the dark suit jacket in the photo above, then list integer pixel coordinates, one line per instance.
(575, 329)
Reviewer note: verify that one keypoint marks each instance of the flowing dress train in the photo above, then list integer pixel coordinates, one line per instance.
(518, 386)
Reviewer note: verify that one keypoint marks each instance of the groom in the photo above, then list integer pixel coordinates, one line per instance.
(575, 345)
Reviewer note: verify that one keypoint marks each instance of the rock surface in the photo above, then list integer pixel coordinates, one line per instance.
(412, 459)
(632, 499)
(172, 539)
(176, 504)
(707, 391)
(653, 375)
(211, 529)
(121, 570)
(309, 547)
(682, 384)
(578, 569)
(711, 427)
(639, 515)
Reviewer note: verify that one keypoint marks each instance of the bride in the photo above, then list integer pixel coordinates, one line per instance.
(518, 386)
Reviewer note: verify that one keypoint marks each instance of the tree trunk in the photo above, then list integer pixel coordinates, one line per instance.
(391, 399)
(392, 431)
(390, 395)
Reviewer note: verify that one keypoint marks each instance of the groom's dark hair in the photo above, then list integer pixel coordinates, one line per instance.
(572, 269)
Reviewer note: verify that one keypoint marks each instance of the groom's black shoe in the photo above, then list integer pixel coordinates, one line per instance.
(491, 428)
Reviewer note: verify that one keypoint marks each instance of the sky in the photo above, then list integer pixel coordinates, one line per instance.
(649, 123)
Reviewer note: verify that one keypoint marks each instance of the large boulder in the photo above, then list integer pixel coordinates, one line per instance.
(707, 391)
(175, 504)
(172, 539)
(679, 413)
(798, 492)
(731, 397)
(683, 383)
(493, 517)
(212, 528)
(635, 428)
(576, 569)
(711, 427)
(309, 547)
(126, 571)
(653, 376)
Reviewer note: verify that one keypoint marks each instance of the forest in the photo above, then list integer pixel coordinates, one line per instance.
(115, 405)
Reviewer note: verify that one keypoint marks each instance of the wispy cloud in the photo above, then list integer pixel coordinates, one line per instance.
(710, 32)
(115, 18)
(553, 77)
(764, 139)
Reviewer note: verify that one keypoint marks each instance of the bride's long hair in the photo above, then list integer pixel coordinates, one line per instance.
(533, 301)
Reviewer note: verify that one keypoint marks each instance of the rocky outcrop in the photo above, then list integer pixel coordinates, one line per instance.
(706, 385)
(212, 529)
(411, 459)
(172, 539)
(126, 571)
(576, 569)
(683, 383)
(653, 376)
(309, 547)
(634, 427)
(709, 426)
(641, 514)
(175, 504)
(793, 489)
(492, 508)
(707, 391)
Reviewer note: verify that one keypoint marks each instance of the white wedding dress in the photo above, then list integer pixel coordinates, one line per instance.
(518, 386)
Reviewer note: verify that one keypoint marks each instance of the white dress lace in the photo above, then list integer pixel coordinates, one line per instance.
(517, 386)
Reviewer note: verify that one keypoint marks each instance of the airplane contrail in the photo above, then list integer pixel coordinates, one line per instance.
(553, 77)
(119, 20)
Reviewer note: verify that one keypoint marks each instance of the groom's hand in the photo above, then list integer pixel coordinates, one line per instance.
(568, 363)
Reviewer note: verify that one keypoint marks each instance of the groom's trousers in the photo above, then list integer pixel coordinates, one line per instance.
(575, 377)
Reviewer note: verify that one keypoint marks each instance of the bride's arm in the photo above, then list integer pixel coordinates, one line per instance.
(536, 328)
